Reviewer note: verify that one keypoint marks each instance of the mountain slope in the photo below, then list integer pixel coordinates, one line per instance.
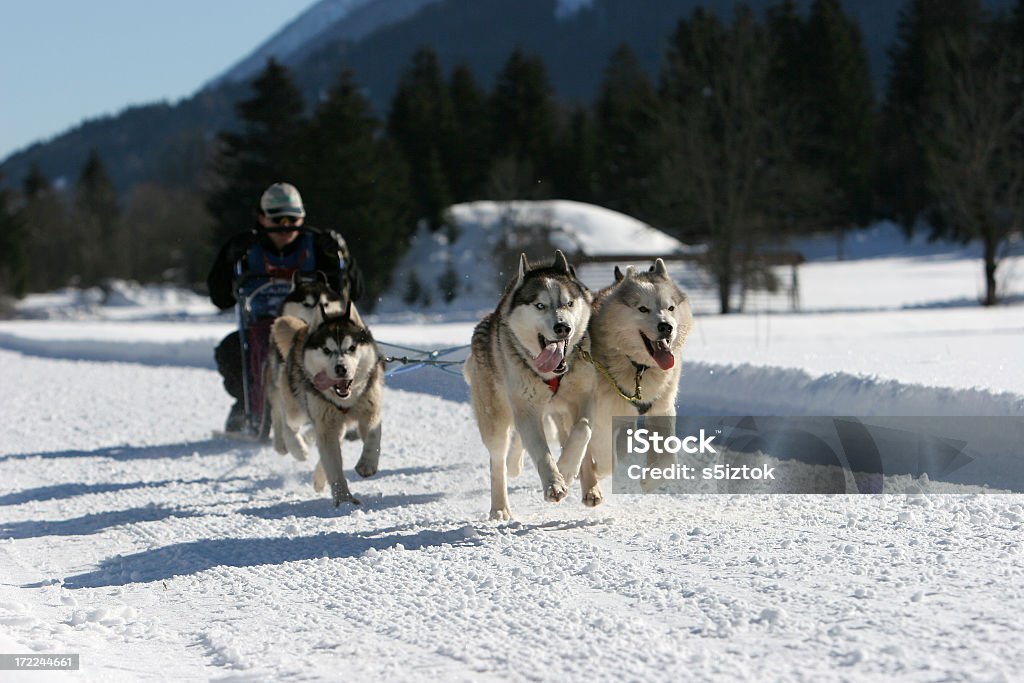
(376, 38)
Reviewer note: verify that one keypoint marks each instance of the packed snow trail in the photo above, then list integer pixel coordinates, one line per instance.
(157, 553)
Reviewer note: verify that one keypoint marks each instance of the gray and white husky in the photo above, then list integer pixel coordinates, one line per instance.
(334, 378)
(637, 332)
(524, 367)
(309, 292)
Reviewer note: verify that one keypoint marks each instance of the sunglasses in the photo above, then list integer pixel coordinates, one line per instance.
(283, 224)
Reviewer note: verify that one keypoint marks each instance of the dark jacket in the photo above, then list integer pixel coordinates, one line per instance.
(330, 252)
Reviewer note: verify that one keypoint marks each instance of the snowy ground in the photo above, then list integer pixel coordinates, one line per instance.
(130, 536)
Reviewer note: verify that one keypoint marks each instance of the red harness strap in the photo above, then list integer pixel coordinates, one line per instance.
(553, 384)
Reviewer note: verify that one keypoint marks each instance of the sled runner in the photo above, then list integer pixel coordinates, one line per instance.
(259, 303)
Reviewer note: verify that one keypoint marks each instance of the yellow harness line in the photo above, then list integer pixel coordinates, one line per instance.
(637, 398)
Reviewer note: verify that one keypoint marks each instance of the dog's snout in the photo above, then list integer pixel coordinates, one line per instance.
(562, 330)
(340, 370)
(665, 330)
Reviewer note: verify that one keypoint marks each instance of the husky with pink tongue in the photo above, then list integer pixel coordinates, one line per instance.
(334, 379)
(637, 333)
(525, 369)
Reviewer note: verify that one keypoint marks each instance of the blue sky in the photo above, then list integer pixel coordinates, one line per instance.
(64, 61)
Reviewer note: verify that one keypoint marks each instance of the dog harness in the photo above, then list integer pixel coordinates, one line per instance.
(637, 399)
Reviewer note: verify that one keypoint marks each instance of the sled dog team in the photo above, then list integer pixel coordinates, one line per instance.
(551, 353)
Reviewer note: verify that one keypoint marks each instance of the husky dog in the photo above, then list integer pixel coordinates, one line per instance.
(524, 367)
(637, 332)
(334, 378)
(308, 293)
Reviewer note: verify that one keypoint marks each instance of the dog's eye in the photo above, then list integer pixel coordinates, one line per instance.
(644, 309)
(671, 308)
(326, 351)
(540, 306)
(352, 348)
(570, 303)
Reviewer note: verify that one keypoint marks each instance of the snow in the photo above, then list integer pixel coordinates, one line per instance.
(129, 535)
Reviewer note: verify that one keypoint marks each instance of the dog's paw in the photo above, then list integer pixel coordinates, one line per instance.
(341, 494)
(556, 491)
(502, 515)
(319, 478)
(365, 469)
(593, 497)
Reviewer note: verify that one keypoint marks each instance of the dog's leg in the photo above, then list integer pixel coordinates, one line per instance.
(497, 441)
(592, 495)
(531, 430)
(370, 434)
(515, 455)
(597, 463)
(328, 441)
(319, 478)
(294, 418)
(573, 450)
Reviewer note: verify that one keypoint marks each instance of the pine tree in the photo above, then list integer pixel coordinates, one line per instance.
(50, 251)
(726, 171)
(627, 133)
(524, 123)
(574, 160)
(469, 155)
(355, 182)
(14, 265)
(422, 123)
(903, 171)
(96, 226)
(262, 152)
(842, 111)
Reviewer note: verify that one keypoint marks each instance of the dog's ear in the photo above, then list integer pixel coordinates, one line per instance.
(296, 277)
(322, 277)
(560, 262)
(659, 267)
(347, 315)
(524, 268)
(319, 315)
(618, 274)
(630, 273)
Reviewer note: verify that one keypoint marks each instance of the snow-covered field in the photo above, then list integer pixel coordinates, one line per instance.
(130, 536)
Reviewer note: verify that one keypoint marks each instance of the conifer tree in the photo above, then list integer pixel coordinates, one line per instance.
(422, 123)
(726, 172)
(14, 264)
(263, 151)
(524, 122)
(902, 179)
(627, 132)
(355, 182)
(842, 112)
(95, 225)
(469, 155)
(50, 247)
(573, 166)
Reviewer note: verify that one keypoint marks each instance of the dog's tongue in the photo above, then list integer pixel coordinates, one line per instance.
(662, 355)
(322, 382)
(549, 359)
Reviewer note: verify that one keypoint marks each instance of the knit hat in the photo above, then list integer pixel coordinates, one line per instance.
(282, 199)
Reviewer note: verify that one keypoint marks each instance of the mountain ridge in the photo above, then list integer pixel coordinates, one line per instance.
(154, 142)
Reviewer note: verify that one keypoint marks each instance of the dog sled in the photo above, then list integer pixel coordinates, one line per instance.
(259, 303)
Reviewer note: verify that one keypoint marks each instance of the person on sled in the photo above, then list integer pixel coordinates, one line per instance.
(275, 248)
